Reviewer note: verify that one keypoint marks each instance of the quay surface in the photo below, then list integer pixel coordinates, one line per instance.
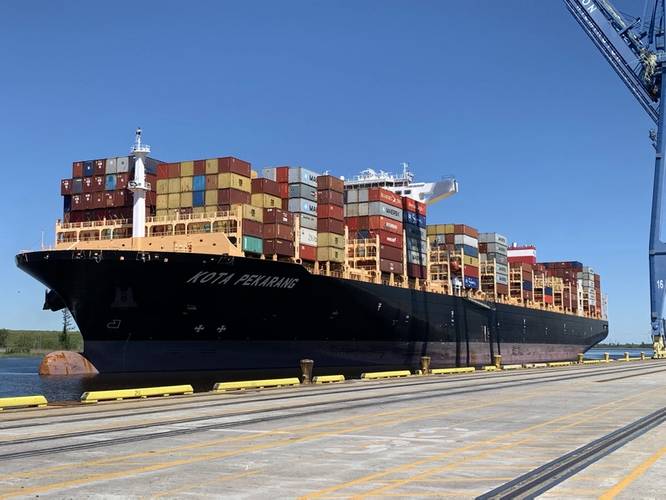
(581, 431)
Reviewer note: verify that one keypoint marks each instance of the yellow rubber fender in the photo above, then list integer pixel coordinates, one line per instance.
(140, 393)
(256, 384)
(23, 402)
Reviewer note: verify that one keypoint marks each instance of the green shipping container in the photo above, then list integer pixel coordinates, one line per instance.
(252, 244)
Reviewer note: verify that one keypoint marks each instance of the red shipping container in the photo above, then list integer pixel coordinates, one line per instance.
(409, 204)
(151, 198)
(200, 167)
(282, 175)
(163, 171)
(234, 165)
(87, 201)
(77, 202)
(328, 182)
(330, 226)
(278, 216)
(211, 182)
(421, 208)
(66, 186)
(502, 289)
(388, 238)
(100, 167)
(233, 196)
(385, 196)
(416, 271)
(266, 186)
(352, 224)
(279, 231)
(382, 223)
(98, 183)
(285, 203)
(77, 169)
(284, 190)
(109, 199)
(151, 180)
(328, 197)
(388, 266)
(390, 253)
(122, 198)
(466, 230)
(279, 247)
(548, 299)
(87, 184)
(122, 180)
(307, 252)
(173, 170)
(330, 212)
(471, 271)
(522, 260)
(253, 228)
(98, 200)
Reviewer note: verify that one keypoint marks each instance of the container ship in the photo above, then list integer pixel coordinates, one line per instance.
(205, 265)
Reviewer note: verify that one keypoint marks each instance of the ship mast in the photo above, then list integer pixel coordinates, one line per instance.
(139, 186)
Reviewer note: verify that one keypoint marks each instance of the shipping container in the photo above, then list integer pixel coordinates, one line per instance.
(413, 231)
(186, 200)
(328, 182)
(77, 186)
(173, 185)
(461, 239)
(253, 228)
(311, 222)
(388, 266)
(408, 204)
(99, 167)
(385, 196)
(122, 164)
(284, 190)
(162, 185)
(234, 181)
(211, 167)
(162, 171)
(229, 164)
(98, 182)
(385, 224)
(378, 208)
(211, 182)
(199, 168)
(250, 212)
(330, 226)
(351, 196)
(87, 184)
(282, 175)
(471, 282)
(303, 176)
(421, 208)
(233, 196)
(307, 252)
(266, 201)
(391, 253)
(173, 170)
(277, 216)
(186, 168)
(199, 183)
(122, 181)
(466, 230)
(527, 286)
(308, 237)
(300, 205)
(253, 245)
(211, 197)
(162, 201)
(111, 166)
(66, 186)
(77, 169)
(280, 231)
(265, 186)
(387, 238)
(67, 203)
(502, 279)
(328, 197)
(416, 271)
(303, 191)
(88, 168)
(279, 247)
(330, 254)
(330, 240)
(330, 212)
(198, 198)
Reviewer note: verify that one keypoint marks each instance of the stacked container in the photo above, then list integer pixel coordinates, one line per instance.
(329, 238)
(568, 272)
(202, 185)
(414, 222)
(521, 281)
(99, 190)
(493, 257)
(278, 232)
(462, 242)
(372, 213)
(525, 254)
(586, 284)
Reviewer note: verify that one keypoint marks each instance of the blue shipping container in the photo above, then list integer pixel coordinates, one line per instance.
(471, 282)
(110, 182)
(410, 217)
(67, 203)
(198, 198)
(88, 168)
(416, 244)
(469, 251)
(252, 244)
(548, 291)
(421, 220)
(199, 183)
(527, 286)
(413, 231)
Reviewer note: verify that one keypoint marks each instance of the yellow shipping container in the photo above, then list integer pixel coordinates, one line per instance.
(449, 228)
(161, 213)
(266, 200)
(186, 168)
(198, 210)
(330, 254)
(431, 230)
(162, 201)
(174, 185)
(185, 184)
(174, 200)
(331, 240)
(211, 166)
(235, 181)
(251, 212)
(471, 261)
(211, 198)
(162, 186)
(186, 199)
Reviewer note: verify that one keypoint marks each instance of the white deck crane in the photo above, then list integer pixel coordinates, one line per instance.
(634, 47)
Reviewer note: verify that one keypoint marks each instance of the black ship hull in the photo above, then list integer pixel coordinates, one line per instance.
(150, 311)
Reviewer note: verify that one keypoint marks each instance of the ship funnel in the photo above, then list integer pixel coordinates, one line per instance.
(139, 186)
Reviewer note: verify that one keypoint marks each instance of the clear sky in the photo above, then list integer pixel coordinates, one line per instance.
(548, 146)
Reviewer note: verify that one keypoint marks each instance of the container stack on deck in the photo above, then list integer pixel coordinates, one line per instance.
(98, 189)
(330, 235)
(522, 260)
(494, 264)
(416, 240)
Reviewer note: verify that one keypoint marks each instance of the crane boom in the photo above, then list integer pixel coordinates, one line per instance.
(635, 50)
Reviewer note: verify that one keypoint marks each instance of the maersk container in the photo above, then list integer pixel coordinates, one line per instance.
(88, 168)
(493, 238)
(110, 182)
(302, 206)
(199, 183)
(199, 198)
(111, 167)
(253, 245)
(470, 282)
(122, 164)
(301, 190)
(309, 221)
(308, 237)
(383, 209)
(302, 175)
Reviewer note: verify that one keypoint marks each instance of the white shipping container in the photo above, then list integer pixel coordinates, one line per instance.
(493, 238)
(301, 190)
(270, 173)
(502, 269)
(463, 239)
(502, 279)
(351, 210)
(111, 167)
(122, 164)
(301, 206)
(308, 237)
(363, 195)
(300, 174)
(384, 209)
(496, 248)
(308, 221)
(351, 196)
(363, 209)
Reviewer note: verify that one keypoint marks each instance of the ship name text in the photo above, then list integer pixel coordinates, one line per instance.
(258, 280)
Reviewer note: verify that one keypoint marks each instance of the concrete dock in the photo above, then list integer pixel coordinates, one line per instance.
(495, 434)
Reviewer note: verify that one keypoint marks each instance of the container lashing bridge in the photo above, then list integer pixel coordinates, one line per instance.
(634, 47)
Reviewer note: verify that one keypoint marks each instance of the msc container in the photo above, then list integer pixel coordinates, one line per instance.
(330, 226)
(122, 164)
(303, 176)
(330, 254)
(280, 231)
(253, 228)
(300, 205)
(302, 190)
(330, 240)
(199, 183)
(384, 223)
(266, 201)
(329, 197)
(229, 164)
(230, 180)
(66, 186)
(308, 237)
(388, 266)
(330, 212)
(279, 247)
(232, 197)
(328, 182)
(387, 238)
(307, 252)
(390, 253)
(384, 209)
(266, 186)
(310, 222)
(198, 198)
(88, 168)
(253, 245)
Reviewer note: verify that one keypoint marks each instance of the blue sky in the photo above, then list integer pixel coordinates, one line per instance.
(548, 146)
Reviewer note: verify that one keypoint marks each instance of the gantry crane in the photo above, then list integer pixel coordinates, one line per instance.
(634, 47)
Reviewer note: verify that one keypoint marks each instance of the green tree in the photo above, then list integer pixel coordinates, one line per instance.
(66, 325)
(4, 335)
